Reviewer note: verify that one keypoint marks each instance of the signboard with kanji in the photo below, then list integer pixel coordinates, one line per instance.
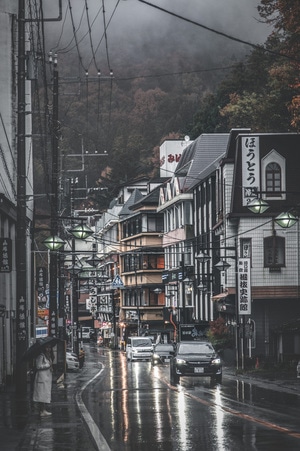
(193, 332)
(41, 278)
(244, 286)
(251, 168)
(5, 255)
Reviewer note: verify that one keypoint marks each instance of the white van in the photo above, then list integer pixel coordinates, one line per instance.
(139, 348)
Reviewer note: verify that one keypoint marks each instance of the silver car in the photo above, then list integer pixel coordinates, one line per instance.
(72, 362)
(162, 353)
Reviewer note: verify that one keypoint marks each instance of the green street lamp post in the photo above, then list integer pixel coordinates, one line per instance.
(54, 244)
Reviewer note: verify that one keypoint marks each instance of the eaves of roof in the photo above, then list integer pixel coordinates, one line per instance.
(179, 198)
(150, 199)
(134, 197)
(199, 155)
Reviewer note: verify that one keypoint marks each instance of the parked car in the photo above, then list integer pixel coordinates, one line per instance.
(195, 358)
(139, 348)
(72, 362)
(162, 353)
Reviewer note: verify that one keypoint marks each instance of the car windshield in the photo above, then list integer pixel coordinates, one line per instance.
(164, 348)
(141, 342)
(195, 348)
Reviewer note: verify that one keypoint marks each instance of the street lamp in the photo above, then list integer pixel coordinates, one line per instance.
(54, 243)
(204, 281)
(258, 205)
(81, 231)
(222, 266)
(202, 257)
(284, 220)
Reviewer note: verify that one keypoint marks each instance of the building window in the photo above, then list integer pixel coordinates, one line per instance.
(155, 223)
(273, 179)
(273, 168)
(274, 252)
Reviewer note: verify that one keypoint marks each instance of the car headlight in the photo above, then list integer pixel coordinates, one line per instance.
(155, 356)
(180, 361)
(216, 361)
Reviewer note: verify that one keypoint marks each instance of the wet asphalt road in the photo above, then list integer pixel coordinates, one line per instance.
(135, 408)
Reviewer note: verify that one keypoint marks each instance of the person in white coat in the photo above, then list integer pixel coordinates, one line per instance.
(42, 385)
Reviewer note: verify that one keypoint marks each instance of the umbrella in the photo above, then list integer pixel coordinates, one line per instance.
(34, 350)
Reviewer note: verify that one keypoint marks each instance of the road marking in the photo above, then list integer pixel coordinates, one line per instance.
(99, 440)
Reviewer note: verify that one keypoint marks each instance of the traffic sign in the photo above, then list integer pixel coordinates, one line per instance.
(117, 282)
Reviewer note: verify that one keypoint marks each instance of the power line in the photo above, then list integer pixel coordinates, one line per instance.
(90, 35)
(75, 35)
(105, 36)
(220, 33)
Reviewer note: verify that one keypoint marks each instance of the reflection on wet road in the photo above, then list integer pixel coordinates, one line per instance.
(136, 409)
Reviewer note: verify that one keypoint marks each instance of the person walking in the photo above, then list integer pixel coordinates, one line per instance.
(42, 385)
(81, 357)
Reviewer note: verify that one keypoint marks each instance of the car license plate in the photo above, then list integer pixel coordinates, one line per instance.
(199, 370)
(167, 360)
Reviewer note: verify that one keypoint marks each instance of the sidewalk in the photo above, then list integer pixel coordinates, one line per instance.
(281, 380)
(21, 427)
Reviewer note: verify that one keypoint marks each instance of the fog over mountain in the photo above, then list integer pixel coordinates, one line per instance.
(138, 30)
(165, 60)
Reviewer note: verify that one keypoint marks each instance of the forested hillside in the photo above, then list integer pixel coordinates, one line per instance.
(125, 115)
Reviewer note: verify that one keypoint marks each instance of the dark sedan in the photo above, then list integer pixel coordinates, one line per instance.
(162, 353)
(195, 358)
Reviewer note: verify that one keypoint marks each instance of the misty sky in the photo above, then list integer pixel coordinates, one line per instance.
(136, 30)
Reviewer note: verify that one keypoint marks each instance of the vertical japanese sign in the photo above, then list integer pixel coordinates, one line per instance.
(41, 279)
(244, 286)
(21, 320)
(5, 255)
(250, 168)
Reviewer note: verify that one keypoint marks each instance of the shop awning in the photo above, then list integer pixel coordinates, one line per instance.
(219, 297)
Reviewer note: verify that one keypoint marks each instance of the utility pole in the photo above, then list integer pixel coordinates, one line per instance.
(21, 227)
(54, 205)
(182, 264)
(21, 236)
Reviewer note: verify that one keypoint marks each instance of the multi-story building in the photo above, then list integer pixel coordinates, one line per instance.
(215, 256)
(264, 166)
(188, 225)
(16, 321)
(141, 265)
(227, 247)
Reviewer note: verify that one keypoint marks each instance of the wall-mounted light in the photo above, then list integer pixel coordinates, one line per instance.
(258, 206)
(285, 220)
